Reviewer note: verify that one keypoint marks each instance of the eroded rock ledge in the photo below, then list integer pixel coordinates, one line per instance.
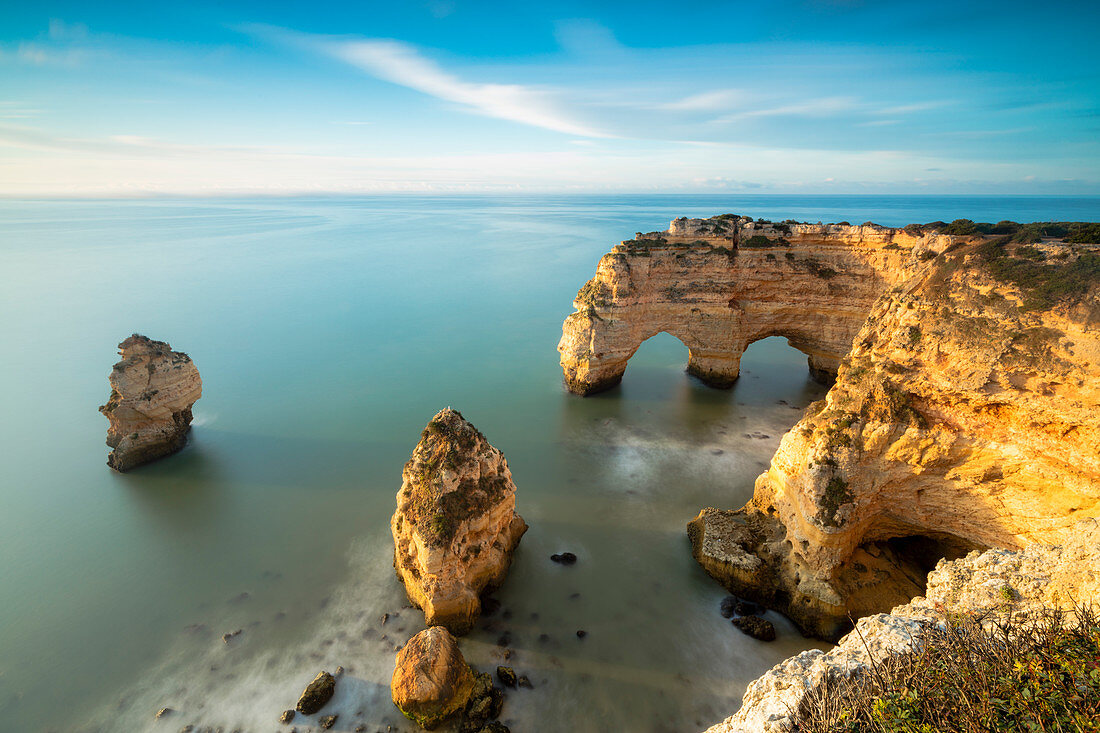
(992, 584)
(455, 527)
(965, 415)
(720, 284)
(152, 391)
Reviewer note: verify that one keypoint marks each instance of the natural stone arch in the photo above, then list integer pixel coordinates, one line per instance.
(719, 294)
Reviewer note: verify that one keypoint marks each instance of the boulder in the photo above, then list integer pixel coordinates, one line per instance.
(756, 627)
(317, 693)
(431, 680)
(507, 676)
(152, 391)
(455, 527)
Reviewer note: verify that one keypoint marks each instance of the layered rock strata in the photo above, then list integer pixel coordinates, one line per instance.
(152, 391)
(965, 415)
(455, 527)
(720, 284)
(993, 584)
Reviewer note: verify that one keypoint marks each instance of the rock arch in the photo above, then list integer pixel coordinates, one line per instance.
(719, 291)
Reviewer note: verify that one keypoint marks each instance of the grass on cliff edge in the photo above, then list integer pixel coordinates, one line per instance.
(971, 679)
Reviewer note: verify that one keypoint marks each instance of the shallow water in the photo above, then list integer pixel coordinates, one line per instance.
(327, 333)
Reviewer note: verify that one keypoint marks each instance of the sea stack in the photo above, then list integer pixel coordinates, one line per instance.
(152, 391)
(455, 527)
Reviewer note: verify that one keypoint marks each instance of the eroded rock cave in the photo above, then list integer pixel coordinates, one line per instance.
(963, 416)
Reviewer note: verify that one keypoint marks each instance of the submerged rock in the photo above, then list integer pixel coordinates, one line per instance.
(152, 391)
(455, 527)
(431, 680)
(485, 704)
(317, 694)
(287, 716)
(756, 627)
(328, 721)
(507, 676)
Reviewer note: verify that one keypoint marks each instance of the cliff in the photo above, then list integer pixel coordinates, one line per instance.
(966, 415)
(152, 391)
(720, 284)
(992, 585)
(455, 527)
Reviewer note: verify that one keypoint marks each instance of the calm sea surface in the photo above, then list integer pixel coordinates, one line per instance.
(327, 333)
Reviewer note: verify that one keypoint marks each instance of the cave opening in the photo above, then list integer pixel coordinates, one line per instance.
(915, 555)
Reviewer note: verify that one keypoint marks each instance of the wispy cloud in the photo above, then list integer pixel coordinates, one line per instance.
(822, 107)
(706, 101)
(402, 64)
(905, 109)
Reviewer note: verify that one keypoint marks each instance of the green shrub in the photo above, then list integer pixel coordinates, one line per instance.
(1043, 285)
(960, 227)
(836, 496)
(759, 241)
(1025, 674)
(1082, 233)
(818, 269)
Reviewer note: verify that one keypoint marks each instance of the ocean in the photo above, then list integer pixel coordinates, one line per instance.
(327, 332)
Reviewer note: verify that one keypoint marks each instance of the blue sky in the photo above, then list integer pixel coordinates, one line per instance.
(815, 96)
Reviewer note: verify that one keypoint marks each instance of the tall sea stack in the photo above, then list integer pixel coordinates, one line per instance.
(152, 391)
(456, 526)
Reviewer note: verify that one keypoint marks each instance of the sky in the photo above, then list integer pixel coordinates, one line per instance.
(792, 96)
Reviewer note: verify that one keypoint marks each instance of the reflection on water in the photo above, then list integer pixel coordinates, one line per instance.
(327, 333)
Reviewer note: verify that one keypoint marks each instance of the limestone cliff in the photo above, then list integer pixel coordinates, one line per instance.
(152, 391)
(965, 415)
(455, 527)
(720, 284)
(992, 584)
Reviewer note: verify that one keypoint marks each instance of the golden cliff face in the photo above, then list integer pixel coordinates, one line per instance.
(966, 415)
(455, 527)
(720, 284)
(152, 391)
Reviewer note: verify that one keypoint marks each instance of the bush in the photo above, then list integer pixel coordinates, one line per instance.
(759, 241)
(960, 227)
(1037, 674)
(1042, 284)
(1081, 233)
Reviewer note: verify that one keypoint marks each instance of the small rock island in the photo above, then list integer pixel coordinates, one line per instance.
(152, 391)
(456, 525)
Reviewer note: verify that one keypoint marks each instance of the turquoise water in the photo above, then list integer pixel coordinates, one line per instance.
(327, 332)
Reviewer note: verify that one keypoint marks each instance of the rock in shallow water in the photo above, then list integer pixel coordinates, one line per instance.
(152, 391)
(507, 676)
(756, 627)
(431, 680)
(317, 693)
(455, 527)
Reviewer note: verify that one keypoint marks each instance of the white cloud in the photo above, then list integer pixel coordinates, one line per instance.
(821, 107)
(905, 109)
(706, 101)
(401, 64)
